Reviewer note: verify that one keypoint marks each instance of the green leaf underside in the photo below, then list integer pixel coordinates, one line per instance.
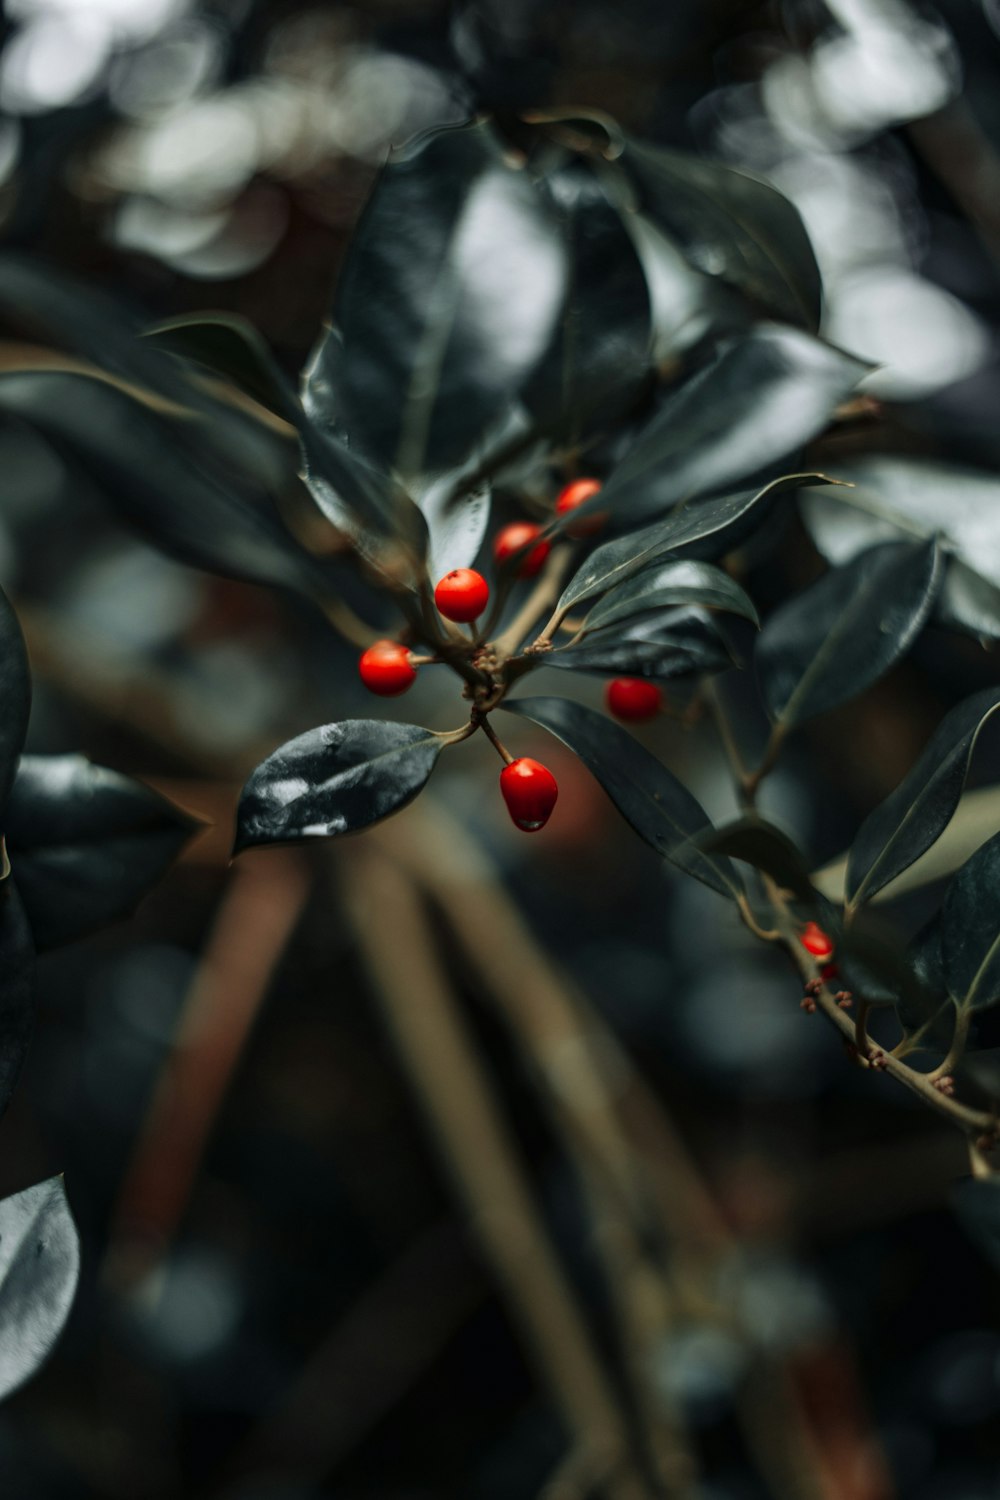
(667, 584)
(765, 395)
(615, 561)
(829, 643)
(39, 1268)
(970, 930)
(15, 695)
(335, 779)
(912, 817)
(730, 225)
(88, 844)
(649, 797)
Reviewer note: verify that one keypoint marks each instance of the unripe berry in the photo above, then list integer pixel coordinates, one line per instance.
(530, 791)
(633, 699)
(817, 942)
(385, 669)
(517, 538)
(575, 494)
(462, 595)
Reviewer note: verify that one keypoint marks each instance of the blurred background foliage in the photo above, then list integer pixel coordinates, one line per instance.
(281, 1297)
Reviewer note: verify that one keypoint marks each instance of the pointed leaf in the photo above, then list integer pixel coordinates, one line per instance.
(970, 930)
(335, 779)
(39, 1268)
(15, 695)
(717, 519)
(764, 396)
(730, 225)
(447, 300)
(649, 797)
(910, 820)
(671, 583)
(660, 647)
(829, 643)
(87, 843)
(760, 844)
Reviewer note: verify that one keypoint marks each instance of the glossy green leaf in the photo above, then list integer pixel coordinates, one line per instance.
(910, 820)
(87, 844)
(970, 930)
(17, 979)
(668, 584)
(660, 646)
(231, 346)
(335, 779)
(447, 301)
(649, 797)
(718, 520)
(39, 1268)
(15, 695)
(762, 398)
(730, 225)
(760, 844)
(833, 640)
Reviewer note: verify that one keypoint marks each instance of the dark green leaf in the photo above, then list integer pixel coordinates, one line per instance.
(600, 351)
(335, 779)
(909, 821)
(649, 797)
(456, 525)
(39, 1267)
(15, 695)
(86, 844)
(671, 583)
(760, 844)
(732, 226)
(970, 930)
(160, 474)
(836, 638)
(926, 1010)
(17, 977)
(763, 397)
(976, 1201)
(661, 646)
(895, 498)
(447, 301)
(718, 519)
(230, 346)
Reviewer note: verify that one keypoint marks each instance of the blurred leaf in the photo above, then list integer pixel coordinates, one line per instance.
(730, 225)
(896, 497)
(229, 345)
(335, 779)
(660, 646)
(87, 844)
(39, 1267)
(446, 302)
(833, 640)
(17, 977)
(614, 561)
(456, 525)
(970, 930)
(599, 354)
(649, 797)
(976, 1201)
(159, 474)
(15, 694)
(909, 821)
(667, 584)
(761, 399)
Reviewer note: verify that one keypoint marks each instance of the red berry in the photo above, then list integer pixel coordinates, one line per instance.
(530, 792)
(575, 494)
(815, 941)
(385, 669)
(516, 538)
(462, 595)
(633, 699)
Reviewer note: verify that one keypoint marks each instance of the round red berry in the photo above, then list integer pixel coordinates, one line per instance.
(575, 494)
(530, 791)
(516, 539)
(385, 669)
(633, 699)
(817, 942)
(462, 595)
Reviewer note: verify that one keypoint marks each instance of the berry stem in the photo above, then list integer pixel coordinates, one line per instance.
(547, 589)
(494, 740)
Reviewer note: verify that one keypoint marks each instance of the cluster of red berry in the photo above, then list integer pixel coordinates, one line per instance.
(529, 789)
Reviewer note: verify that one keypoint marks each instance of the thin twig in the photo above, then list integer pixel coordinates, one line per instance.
(546, 590)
